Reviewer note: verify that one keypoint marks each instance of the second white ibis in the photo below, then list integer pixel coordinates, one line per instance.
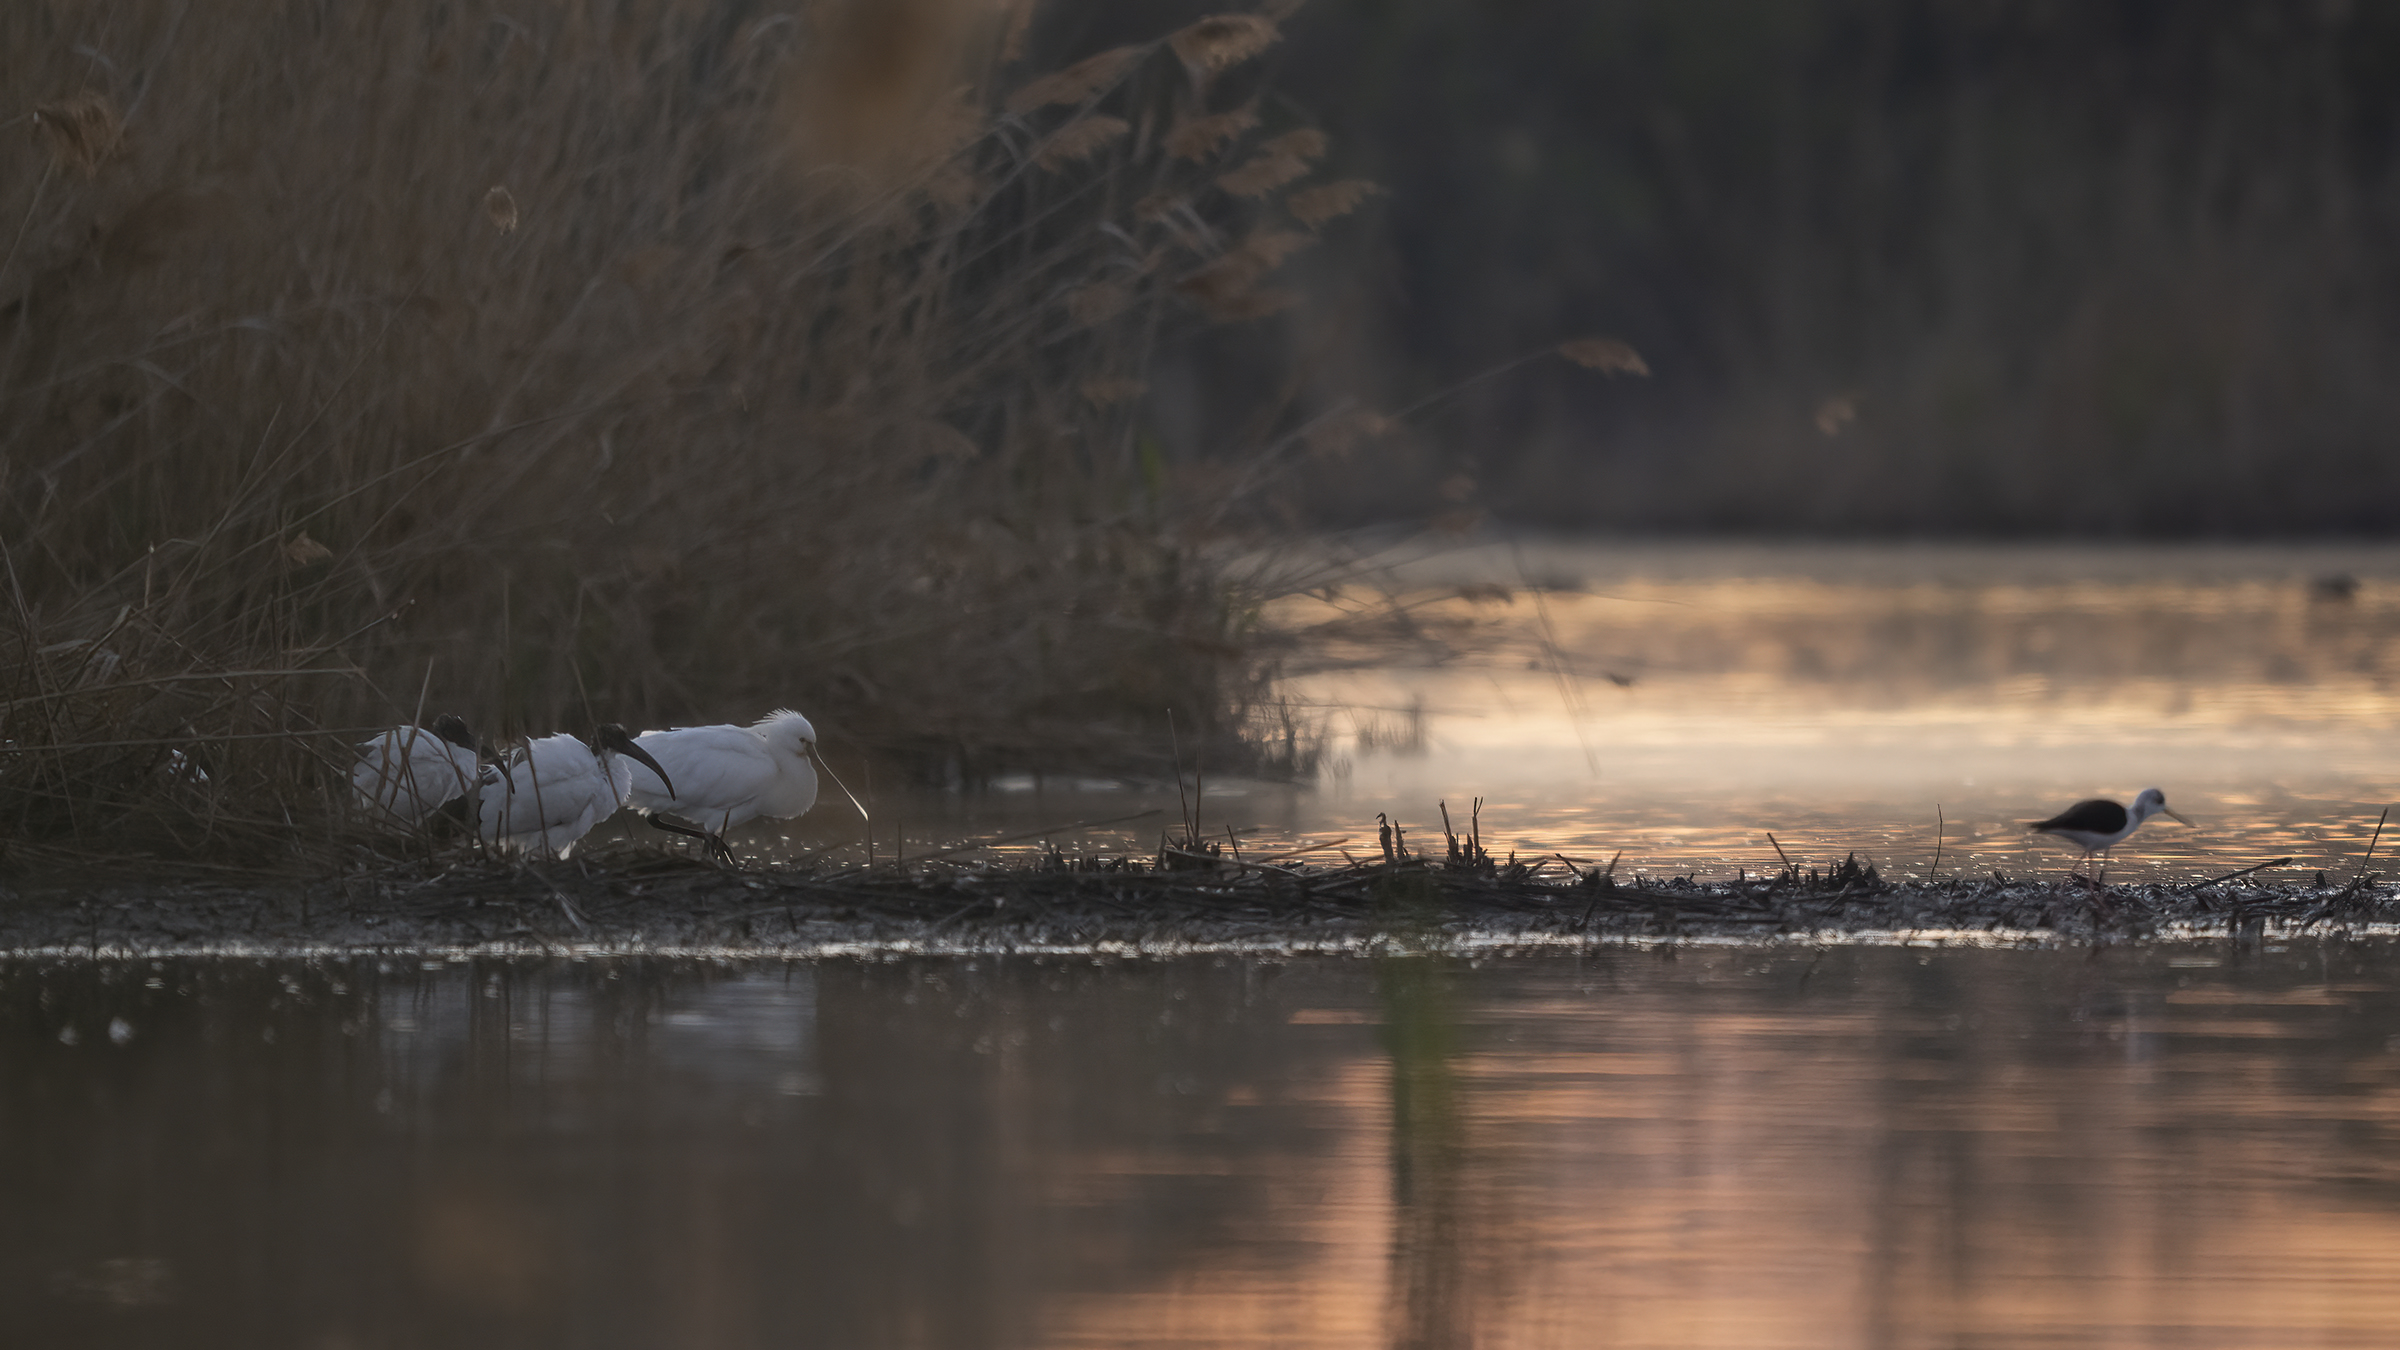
(551, 795)
(408, 773)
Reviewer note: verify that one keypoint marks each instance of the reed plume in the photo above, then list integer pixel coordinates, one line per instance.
(426, 373)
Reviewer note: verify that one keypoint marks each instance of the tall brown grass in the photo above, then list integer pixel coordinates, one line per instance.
(643, 361)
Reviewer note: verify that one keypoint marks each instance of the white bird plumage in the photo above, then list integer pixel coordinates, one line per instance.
(408, 773)
(729, 775)
(549, 797)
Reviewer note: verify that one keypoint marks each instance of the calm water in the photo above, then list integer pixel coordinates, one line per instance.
(1680, 702)
(2178, 1146)
(2189, 1147)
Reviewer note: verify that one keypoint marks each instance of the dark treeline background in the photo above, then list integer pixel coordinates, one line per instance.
(2101, 267)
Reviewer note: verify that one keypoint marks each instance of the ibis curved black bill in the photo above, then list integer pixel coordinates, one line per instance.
(613, 736)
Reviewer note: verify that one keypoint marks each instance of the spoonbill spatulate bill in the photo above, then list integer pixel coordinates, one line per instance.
(550, 796)
(408, 773)
(2099, 825)
(728, 775)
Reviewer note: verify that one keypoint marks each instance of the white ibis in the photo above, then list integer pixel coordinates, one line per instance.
(554, 792)
(728, 775)
(408, 773)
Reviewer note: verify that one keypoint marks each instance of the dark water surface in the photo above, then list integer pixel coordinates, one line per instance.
(2174, 1146)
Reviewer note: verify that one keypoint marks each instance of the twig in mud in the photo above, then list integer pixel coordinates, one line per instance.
(2235, 875)
(1309, 848)
(2361, 878)
(565, 905)
(1036, 834)
(1212, 860)
(1175, 748)
(1787, 858)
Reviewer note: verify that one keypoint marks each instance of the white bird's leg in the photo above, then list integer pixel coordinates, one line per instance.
(715, 843)
(660, 820)
(541, 819)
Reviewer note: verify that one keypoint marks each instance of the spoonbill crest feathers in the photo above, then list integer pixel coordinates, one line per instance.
(728, 775)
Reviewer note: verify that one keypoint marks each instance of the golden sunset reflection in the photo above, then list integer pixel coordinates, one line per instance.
(1680, 701)
(1702, 1152)
(1697, 1148)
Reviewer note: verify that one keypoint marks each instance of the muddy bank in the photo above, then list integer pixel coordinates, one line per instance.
(654, 902)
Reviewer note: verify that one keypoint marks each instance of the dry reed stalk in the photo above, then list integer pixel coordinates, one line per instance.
(1106, 392)
(1199, 138)
(733, 404)
(1329, 201)
(500, 208)
(1609, 356)
(1263, 173)
(1080, 140)
(1337, 435)
(1090, 76)
(84, 130)
(1223, 40)
(1099, 302)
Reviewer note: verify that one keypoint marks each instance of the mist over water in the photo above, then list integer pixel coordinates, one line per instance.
(1682, 701)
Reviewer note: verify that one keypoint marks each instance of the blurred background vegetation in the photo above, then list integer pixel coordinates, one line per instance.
(940, 366)
(2114, 268)
(655, 361)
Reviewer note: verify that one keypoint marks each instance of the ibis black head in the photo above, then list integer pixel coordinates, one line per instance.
(453, 728)
(612, 737)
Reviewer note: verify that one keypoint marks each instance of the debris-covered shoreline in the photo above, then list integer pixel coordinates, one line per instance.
(652, 902)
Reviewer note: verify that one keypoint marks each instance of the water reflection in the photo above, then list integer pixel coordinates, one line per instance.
(1431, 1302)
(1680, 701)
(1688, 1148)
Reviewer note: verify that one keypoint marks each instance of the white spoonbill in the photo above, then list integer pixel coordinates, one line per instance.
(2099, 825)
(408, 773)
(729, 775)
(553, 793)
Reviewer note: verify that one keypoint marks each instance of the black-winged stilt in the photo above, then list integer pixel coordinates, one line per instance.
(2099, 825)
